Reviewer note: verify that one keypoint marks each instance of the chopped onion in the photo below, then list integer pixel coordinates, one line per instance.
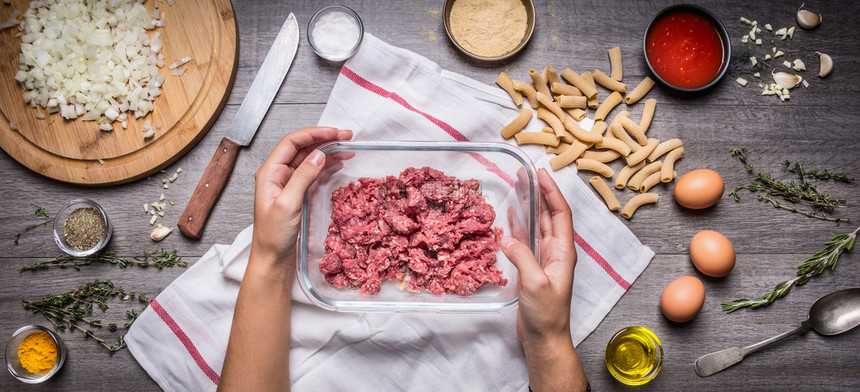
(179, 63)
(91, 59)
(13, 20)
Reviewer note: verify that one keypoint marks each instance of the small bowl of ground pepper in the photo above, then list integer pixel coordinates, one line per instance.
(82, 228)
(34, 354)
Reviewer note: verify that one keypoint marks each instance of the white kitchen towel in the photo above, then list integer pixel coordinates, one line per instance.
(388, 93)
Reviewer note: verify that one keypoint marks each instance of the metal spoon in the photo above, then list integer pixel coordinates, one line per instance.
(831, 314)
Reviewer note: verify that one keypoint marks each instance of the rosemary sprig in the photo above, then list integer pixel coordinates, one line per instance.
(156, 258)
(811, 266)
(789, 191)
(40, 211)
(74, 309)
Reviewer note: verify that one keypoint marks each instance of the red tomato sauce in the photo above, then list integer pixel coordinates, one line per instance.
(685, 49)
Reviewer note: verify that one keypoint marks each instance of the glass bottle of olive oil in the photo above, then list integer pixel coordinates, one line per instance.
(634, 355)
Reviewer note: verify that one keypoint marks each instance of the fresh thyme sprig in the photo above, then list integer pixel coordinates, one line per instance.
(156, 258)
(811, 266)
(821, 174)
(74, 309)
(40, 211)
(790, 191)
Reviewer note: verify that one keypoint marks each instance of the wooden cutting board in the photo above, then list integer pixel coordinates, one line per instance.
(78, 152)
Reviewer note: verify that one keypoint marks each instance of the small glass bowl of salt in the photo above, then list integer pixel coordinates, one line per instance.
(335, 32)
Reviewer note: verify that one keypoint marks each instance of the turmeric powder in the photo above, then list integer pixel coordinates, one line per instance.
(38, 353)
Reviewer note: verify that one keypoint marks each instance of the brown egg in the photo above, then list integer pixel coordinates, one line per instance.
(712, 253)
(699, 189)
(682, 299)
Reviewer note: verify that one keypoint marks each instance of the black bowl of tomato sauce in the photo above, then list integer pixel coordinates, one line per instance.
(687, 47)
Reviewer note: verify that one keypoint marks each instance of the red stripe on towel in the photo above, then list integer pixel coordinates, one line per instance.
(600, 261)
(185, 341)
(372, 87)
(453, 132)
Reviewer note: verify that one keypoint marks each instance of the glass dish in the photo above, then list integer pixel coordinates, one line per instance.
(319, 48)
(634, 355)
(59, 230)
(14, 364)
(508, 182)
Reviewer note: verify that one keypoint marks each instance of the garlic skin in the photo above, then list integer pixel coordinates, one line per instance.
(807, 19)
(160, 232)
(786, 80)
(825, 64)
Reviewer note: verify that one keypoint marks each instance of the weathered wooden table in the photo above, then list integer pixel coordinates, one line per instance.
(817, 125)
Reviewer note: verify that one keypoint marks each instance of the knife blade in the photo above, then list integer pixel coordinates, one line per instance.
(248, 118)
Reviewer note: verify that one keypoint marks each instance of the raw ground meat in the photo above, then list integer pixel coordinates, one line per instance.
(423, 229)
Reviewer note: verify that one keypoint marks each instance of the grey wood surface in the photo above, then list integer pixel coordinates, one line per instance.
(817, 125)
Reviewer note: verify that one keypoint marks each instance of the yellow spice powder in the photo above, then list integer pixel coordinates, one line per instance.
(37, 353)
(488, 28)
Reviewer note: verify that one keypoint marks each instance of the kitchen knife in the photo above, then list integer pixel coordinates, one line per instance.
(242, 130)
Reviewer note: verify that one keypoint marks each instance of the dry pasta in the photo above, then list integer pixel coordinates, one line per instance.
(587, 88)
(566, 137)
(507, 84)
(667, 170)
(561, 106)
(528, 91)
(568, 156)
(539, 82)
(565, 89)
(546, 139)
(605, 81)
(634, 130)
(636, 202)
(599, 128)
(580, 133)
(615, 63)
(547, 102)
(560, 148)
(552, 121)
(640, 176)
(601, 156)
(643, 153)
(618, 131)
(592, 101)
(641, 89)
(608, 104)
(647, 115)
(518, 124)
(625, 173)
(606, 193)
(577, 114)
(572, 101)
(649, 182)
(595, 166)
(613, 144)
(550, 75)
(663, 148)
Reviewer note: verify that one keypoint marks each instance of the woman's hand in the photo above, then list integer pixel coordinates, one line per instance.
(281, 183)
(543, 322)
(263, 306)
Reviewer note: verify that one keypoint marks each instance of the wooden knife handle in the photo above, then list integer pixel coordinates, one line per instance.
(208, 189)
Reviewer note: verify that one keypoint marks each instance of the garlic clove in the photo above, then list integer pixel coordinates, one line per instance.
(786, 80)
(826, 64)
(807, 19)
(160, 232)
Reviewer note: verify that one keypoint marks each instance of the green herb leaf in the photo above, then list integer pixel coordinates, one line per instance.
(812, 266)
